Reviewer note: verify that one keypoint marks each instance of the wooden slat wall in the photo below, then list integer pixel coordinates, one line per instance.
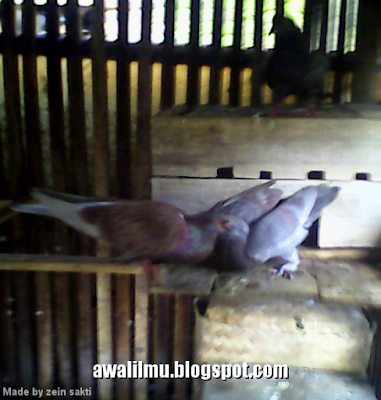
(55, 326)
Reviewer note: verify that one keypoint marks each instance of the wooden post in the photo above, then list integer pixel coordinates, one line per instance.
(215, 69)
(364, 86)
(123, 112)
(256, 75)
(193, 81)
(168, 71)
(143, 152)
(235, 84)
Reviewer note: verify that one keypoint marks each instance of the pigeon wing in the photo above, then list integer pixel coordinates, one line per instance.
(281, 228)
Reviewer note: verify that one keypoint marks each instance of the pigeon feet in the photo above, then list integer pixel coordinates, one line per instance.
(284, 271)
(274, 112)
(152, 271)
(310, 112)
(278, 273)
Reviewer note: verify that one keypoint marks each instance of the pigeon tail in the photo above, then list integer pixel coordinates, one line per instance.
(325, 195)
(38, 209)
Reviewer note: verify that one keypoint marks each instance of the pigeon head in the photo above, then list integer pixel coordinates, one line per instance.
(283, 26)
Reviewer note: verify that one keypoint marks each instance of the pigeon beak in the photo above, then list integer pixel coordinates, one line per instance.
(272, 30)
(225, 224)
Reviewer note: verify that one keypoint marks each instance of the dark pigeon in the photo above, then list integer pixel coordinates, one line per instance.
(291, 68)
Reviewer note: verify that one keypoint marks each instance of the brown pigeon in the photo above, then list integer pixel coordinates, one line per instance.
(137, 229)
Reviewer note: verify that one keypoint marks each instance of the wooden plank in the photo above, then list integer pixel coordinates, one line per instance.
(101, 189)
(27, 262)
(31, 102)
(168, 70)
(143, 157)
(337, 89)
(193, 79)
(358, 215)
(85, 335)
(8, 345)
(140, 386)
(78, 145)
(215, 70)
(183, 347)
(104, 332)
(78, 167)
(280, 145)
(162, 326)
(123, 334)
(24, 319)
(55, 104)
(62, 328)
(324, 26)
(364, 86)
(123, 113)
(307, 26)
(3, 165)
(235, 73)
(280, 7)
(17, 173)
(44, 330)
(256, 77)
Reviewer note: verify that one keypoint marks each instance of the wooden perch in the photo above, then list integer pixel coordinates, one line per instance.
(31, 262)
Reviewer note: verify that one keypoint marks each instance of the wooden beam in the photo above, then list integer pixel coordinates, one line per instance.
(352, 254)
(31, 262)
(27, 262)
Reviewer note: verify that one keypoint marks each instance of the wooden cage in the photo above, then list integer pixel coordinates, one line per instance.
(78, 114)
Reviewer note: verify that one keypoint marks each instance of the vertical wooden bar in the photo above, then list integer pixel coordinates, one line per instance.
(3, 172)
(104, 332)
(36, 178)
(56, 110)
(193, 80)
(59, 282)
(101, 188)
(163, 307)
(168, 70)
(123, 331)
(308, 21)
(17, 173)
(8, 345)
(78, 145)
(32, 110)
(62, 326)
(141, 333)
(85, 346)
(337, 88)
(17, 187)
(235, 84)
(256, 77)
(143, 152)
(184, 335)
(124, 291)
(324, 26)
(44, 331)
(24, 319)
(364, 86)
(123, 105)
(280, 7)
(215, 70)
